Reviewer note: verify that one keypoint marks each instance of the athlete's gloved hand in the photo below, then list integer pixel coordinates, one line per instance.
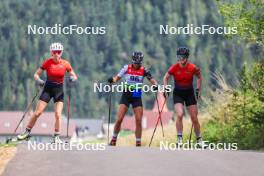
(155, 87)
(72, 79)
(40, 82)
(166, 93)
(110, 80)
(197, 93)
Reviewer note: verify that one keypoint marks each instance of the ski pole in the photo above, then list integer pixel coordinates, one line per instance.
(68, 114)
(69, 106)
(159, 118)
(109, 113)
(159, 114)
(190, 137)
(27, 109)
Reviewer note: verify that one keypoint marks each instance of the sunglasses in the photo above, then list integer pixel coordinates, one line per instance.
(181, 57)
(137, 63)
(56, 52)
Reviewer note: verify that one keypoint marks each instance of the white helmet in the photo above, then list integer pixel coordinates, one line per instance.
(56, 47)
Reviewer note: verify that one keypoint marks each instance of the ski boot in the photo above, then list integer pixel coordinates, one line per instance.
(138, 144)
(200, 143)
(56, 140)
(21, 137)
(24, 137)
(179, 142)
(113, 142)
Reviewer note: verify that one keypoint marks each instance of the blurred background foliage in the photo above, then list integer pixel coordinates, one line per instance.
(237, 114)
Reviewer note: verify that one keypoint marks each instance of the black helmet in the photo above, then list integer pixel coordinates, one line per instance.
(183, 51)
(137, 57)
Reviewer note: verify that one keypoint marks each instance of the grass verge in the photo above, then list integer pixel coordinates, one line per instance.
(7, 152)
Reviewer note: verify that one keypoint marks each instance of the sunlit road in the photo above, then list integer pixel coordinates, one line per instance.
(128, 161)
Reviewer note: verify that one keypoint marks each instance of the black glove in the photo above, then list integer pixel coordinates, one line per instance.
(166, 93)
(197, 93)
(155, 87)
(110, 80)
(40, 82)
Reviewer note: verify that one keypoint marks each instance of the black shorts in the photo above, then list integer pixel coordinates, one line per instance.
(184, 96)
(52, 91)
(127, 99)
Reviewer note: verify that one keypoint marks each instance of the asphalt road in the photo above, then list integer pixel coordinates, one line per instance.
(128, 161)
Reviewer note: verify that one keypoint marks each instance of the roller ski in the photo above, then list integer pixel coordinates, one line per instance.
(21, 137)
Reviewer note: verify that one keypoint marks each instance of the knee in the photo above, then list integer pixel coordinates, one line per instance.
(37, 113)
(195, 121)
(179, 115)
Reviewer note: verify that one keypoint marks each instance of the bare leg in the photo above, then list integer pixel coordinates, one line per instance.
(193, 111)
(120, 116)
(38, 111)
(138, 111)
(58, 107)
(179, 114)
